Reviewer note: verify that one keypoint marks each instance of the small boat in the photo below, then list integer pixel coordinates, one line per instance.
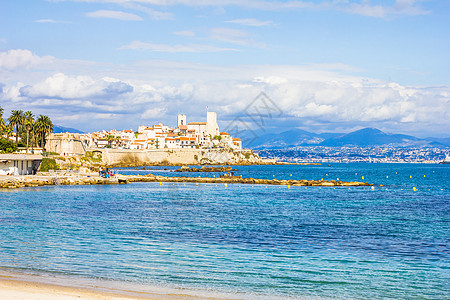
(446, 160)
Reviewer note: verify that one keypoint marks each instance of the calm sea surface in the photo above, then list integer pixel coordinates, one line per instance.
(391, 242)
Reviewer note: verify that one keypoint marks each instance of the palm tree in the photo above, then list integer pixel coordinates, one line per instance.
(44, 126)
(2, 122)
(16, 119)
(28, 122)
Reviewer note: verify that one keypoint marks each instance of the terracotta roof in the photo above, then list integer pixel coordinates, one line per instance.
(224, 133)
(127, 130)
(139, 141)
(197, 123)
(236, 139)
(183, 127)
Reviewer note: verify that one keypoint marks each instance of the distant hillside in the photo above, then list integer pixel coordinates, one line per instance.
(372, 137)
(61, 129)
(360, 138)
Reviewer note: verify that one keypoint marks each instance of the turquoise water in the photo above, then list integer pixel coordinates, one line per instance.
(301, 242)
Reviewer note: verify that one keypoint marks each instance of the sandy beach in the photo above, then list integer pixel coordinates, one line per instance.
(30, 287)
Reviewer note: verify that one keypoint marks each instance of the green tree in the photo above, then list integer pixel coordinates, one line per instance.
(43, 126)
(16, 120)
(28, 123)
(2, 122)
(111, 138)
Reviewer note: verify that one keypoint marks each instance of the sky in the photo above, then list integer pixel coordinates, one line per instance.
(322, 66)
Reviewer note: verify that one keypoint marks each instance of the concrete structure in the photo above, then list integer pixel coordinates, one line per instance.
(66, 144)
(19, 164)
(212, 128)
(181, 120)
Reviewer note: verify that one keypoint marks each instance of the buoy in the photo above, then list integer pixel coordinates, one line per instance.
(338, 179)
(321, 179)
(387, 176)
(226, 185)
(289, 186)
(414, 189)
(410, 176)
(160, 183)
(291, 174)
(381, 185)
(424, 176)
(196, 184)
(305, 187)
(326, 174)
(372, 188)
(273, 175)
(362, 177)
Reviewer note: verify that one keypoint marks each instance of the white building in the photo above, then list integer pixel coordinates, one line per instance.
(19, 164)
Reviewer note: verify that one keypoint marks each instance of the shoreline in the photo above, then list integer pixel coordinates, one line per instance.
(37, 287)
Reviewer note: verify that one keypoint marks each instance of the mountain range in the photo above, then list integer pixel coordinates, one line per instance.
(61, 129)
(361, 138)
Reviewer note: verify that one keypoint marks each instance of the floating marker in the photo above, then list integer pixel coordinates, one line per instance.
(326, 174)
(410, 176)
(362, 177)
(160, 183)
(372, 188)
(196, 184)
(387, 176)
(321, 179)
(289, 186)
(414, 189)
(424, 176)
(337, 179)
(273, 175)
(291, 174)
(226, 185)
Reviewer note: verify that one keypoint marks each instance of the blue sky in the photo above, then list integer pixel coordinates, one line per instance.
(329, 65)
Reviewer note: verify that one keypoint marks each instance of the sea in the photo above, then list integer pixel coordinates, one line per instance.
(240, 241)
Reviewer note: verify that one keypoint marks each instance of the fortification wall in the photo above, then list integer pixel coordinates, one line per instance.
(64, 146)
(177, 156)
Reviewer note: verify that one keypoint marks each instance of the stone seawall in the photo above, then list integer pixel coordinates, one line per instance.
(126, 157)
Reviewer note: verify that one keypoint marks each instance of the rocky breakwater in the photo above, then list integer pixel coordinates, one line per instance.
(12, 182)
(205, 169)
(240, 180)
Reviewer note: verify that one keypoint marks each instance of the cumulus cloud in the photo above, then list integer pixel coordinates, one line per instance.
(113, 14)
(61, 86)
(314, 97)
(22, 59)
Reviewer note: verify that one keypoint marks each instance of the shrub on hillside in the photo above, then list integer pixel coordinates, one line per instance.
(48, 164)
(7, 146)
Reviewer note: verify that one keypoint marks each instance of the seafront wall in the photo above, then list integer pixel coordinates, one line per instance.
(177, 156)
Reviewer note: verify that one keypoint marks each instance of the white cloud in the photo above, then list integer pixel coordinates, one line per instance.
(61, 86)
(360, 7)
(149, 91)
(250, 22)
(52, 21)
(186, 33)
(234, 36)
(138, 45)
(14, 59)
(113, 14)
